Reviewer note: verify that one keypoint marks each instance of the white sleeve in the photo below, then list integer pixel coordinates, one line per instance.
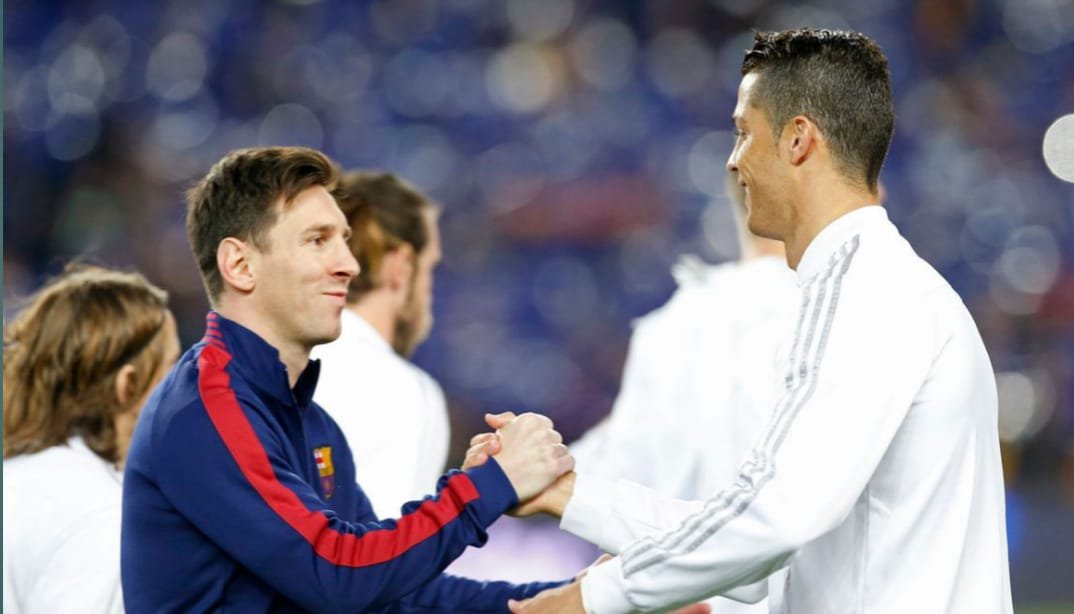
(852, 380)
(82, 575)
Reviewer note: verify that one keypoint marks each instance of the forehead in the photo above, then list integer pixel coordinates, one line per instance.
(745, 107)
(313, 206)
(431, 215)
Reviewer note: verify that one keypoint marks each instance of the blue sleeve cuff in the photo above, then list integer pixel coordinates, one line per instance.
(496, 495)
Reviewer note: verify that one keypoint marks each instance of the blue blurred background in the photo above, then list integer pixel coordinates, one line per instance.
(577, 148)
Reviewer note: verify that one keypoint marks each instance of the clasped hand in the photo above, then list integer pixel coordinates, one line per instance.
(528, 449)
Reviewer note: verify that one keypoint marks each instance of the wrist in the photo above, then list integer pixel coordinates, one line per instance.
(560, 495)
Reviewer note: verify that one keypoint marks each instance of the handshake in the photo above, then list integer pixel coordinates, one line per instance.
(532, 455)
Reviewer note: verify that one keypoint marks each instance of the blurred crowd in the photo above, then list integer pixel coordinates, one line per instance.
(577, 148)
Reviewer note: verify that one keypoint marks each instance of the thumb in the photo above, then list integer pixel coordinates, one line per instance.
(499, 420)
(514, 606)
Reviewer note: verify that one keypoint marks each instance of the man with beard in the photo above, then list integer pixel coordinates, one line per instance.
(367, 383)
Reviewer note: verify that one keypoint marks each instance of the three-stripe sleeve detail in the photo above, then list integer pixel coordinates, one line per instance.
(820, 300)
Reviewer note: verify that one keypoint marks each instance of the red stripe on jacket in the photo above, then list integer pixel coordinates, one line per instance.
(346, 549)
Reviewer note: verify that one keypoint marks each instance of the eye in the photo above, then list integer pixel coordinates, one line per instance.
(318, 240)
(739, 133)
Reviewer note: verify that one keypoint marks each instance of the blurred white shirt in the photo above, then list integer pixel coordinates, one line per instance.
(392, 413)
(62, 511)
(699, 383)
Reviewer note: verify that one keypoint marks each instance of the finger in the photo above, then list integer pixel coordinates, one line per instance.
(541, 418)
(488, 448)
(602, 559)
(559, 450)
(515, 606)
(499, 420)
(556, 437)
(564, 464)
(481, 438)
(476, 460)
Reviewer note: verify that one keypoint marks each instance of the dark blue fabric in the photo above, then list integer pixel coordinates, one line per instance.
(198, 537)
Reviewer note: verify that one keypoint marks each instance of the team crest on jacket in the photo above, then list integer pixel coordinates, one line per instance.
(323, 458)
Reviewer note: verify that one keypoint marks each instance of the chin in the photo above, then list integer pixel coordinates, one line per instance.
(327, 335)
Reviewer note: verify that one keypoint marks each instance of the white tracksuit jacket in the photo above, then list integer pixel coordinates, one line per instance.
(877, 478)
(698, 385)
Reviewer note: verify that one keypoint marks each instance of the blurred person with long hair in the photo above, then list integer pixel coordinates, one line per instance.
(79, 363)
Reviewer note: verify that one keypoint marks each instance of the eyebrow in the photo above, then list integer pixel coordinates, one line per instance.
(327, 228)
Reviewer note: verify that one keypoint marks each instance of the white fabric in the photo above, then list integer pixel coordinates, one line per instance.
(699, 382)
(61, 532)
(391, 412)
(878, 477)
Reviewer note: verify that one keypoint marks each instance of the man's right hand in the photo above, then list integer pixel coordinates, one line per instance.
(531, 452)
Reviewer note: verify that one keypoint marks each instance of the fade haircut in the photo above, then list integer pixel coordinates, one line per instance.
(238, 199)
(837, 79)
(384, 213)
(62, 354)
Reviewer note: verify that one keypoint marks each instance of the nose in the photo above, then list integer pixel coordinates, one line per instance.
(347, 266)
(732, 161)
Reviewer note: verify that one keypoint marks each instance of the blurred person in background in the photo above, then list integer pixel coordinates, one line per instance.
(877, 479)
(392, 413)
(240, 491)
(79, 363)
(700, 378)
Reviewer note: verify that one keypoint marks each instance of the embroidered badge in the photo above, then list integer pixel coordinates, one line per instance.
(323, 458)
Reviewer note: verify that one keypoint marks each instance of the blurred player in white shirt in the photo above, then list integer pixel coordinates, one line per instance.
(700, 379)
(79, 363)
(877, 479)
(392, 412)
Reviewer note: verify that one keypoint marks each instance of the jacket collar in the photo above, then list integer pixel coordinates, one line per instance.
(259, 363)
(828, 241)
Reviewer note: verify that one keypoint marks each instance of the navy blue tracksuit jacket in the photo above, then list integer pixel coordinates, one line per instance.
(240, 496)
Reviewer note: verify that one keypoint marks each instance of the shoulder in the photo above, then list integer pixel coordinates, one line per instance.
(62, 475)
(176, 397)
(696, 282)
(179, 416)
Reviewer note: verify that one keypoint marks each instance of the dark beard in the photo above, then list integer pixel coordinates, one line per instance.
(403, 339)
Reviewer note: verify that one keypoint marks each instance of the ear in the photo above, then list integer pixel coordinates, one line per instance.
(125, 384)
(398, 267)
(233, 258)
(803, 138)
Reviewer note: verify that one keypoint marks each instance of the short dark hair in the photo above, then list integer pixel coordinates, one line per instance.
(837, 79)
(384, 212)
(238, 197)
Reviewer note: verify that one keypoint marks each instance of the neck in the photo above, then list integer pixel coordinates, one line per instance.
(754, 247)
(818, 206)
(376, 309)
(294, 356)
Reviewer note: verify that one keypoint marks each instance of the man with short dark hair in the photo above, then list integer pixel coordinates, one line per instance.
(240, 491)
(877, 478)
(391, 411)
